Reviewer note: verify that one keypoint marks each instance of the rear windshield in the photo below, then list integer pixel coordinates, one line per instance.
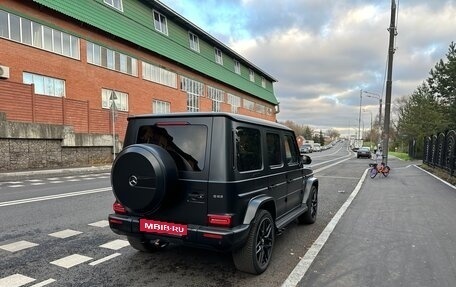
(185, 143)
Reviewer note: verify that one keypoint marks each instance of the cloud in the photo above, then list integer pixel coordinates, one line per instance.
(324, 52)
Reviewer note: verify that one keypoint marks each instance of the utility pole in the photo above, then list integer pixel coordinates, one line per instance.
(392, 34)
(113, 98)
(359, 117)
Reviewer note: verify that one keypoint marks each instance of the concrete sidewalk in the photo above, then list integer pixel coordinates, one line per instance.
(397, 231)
(21, 175)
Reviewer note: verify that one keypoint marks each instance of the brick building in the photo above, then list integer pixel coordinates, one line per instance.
(64, 63)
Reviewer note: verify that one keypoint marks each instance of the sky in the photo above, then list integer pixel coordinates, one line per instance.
(323, 53)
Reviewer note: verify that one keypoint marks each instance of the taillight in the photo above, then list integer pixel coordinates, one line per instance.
(118, 208)
(223, 220)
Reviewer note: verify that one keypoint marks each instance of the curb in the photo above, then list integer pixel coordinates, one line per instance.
(8, 176)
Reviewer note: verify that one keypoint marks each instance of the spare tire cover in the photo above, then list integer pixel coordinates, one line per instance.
(141, 176)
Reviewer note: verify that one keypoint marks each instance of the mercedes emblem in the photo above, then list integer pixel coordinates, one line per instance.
(133, 181)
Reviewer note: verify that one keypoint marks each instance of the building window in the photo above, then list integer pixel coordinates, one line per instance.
(218, 56)
(217, 98)
(263, 82)
(161, 107)
(251, 75)
(194, 90)
(249, 105)
(160, 23)
(237, 67)
(261, 109)
(159, 75)
(45, 85)
(235, 102)
(117, 4)
(120, 99)
(104, 57)
(15, 28)
(194, 42)
(248, 149)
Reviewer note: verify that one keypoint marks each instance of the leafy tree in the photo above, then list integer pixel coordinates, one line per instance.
(442, 84)
(332, 134)
(420, 115)
(300, 130)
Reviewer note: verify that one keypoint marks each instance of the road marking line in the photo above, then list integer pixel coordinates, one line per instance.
(53, 178)
(88, 178)
(301, 268)
(115, 244)
(56, 196)
(37, 183)
(65, 233)
(104, 259)
(16, 185)
(44, 283)
(15, 280)
(17, 246)
(447, 183)
(331, 165)
(75, 179)
(101, 223)
(34, 180)
(70, 261)
(58, 181)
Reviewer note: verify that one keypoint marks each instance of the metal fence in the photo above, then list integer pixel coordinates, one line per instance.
(440, 151)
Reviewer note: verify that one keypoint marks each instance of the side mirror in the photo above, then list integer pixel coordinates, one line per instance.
(306, 159)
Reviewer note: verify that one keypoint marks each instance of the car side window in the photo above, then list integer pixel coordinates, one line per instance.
(291, 153)
(248, 149)
(273, 149)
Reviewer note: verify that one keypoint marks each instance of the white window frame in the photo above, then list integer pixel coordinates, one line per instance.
(116, 4)
(159, 75)
(161, 107)
(263, 82)
(194, 90)
(58, 42)
(194, 42)
(217, 96)
(44, 85)
(251, 75)
(237, 67)
(249, 105)
(160, 24)
(121, 100)
(235, 102)
(218, 56)
(110, 59)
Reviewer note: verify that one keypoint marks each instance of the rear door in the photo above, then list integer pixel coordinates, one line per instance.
(187, 140)
(294, 172)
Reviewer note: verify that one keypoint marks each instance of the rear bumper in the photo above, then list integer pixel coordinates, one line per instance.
(213, 238)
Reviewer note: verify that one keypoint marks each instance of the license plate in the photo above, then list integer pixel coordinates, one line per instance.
(154, 226)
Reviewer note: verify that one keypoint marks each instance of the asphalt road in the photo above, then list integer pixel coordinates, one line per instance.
(54, 232)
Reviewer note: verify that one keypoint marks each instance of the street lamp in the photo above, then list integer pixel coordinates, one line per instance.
(370, 134)
(113, 99)
(380, 100)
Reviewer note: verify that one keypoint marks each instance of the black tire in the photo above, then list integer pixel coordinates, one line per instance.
(254, 257)
(386, 171)
(142, 176)
(143, 245)
(310, 216)
(373, 172)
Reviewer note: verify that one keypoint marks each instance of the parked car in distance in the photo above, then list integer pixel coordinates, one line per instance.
(316, 147)
(306, 148)
(172, 184)
(364, 152)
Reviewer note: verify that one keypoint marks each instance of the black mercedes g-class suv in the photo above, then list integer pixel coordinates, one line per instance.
(211, 180)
